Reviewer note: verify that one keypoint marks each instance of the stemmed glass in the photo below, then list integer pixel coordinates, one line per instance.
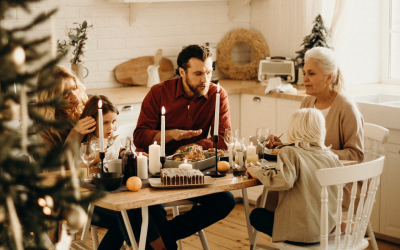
(87, 153)
(228, 136)
(263, 135)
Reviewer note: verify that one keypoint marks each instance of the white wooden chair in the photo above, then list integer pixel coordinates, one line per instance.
(175, 212)
(368, 172)
(375, 137)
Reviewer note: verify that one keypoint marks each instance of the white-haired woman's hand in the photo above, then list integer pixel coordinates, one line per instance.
(86, 125)
(274, 141)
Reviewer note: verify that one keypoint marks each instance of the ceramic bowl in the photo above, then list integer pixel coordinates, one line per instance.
(108, 181)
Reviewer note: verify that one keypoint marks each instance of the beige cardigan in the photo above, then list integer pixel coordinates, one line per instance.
(297, 216)
(344, 127)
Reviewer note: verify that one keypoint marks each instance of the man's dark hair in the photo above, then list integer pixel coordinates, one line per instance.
(192, 51)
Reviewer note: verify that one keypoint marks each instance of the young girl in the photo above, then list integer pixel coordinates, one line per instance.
(110, 113)
(297, 216)
(109, 219)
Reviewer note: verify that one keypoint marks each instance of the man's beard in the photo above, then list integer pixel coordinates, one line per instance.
(194, 88)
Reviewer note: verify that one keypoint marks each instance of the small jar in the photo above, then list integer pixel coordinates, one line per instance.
(240, 154)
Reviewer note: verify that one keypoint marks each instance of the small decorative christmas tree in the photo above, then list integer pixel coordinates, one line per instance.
(29, 206)
(319, 37)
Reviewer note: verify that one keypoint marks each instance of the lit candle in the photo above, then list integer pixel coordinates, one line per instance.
(251, 150)
(216, 117)
(252, 158)
(185, 165)
(101, 133)
(154, 158)
(142, 166)
(163, 132)
(230, 149)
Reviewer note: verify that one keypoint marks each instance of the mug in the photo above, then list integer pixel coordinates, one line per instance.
(114, 166)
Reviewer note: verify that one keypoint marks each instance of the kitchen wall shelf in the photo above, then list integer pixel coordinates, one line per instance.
(136, 6)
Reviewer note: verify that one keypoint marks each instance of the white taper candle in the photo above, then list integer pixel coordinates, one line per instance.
(163, 132)
(216, 117)
(101, 133)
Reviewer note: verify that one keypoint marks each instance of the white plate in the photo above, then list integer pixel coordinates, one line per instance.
(156, 183)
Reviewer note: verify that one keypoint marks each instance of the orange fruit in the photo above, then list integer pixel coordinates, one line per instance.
(223, 166)
(134, 183)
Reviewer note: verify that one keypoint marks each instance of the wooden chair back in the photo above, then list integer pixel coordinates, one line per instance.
(369, 173)
(375, 137)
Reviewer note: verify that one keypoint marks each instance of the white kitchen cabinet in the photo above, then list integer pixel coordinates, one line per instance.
(234, 110)
(390, 192)
(256, 111)
(284, 109)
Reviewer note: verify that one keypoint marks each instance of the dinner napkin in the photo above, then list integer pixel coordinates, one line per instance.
(275, 84)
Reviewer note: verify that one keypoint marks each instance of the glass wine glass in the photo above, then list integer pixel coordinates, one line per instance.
(263, 135)
(87, 153)
(228, 136)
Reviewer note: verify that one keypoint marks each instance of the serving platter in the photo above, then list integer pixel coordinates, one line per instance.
(200, 165)
(156, 183)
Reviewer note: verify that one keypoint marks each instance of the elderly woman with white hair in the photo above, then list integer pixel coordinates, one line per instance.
(297, 215)
(344, 123)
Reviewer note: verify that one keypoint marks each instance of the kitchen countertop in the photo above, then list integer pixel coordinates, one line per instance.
(136, 94)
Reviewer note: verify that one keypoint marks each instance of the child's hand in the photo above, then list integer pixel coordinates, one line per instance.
(249, 172)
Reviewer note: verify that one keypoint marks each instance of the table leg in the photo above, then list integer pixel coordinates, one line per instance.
(253, 242)
(143, 233)
(86, 227)
(247, 213)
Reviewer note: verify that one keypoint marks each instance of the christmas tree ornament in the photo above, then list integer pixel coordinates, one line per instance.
(41, 202)
(46, 210)
(49, 201)
(75, 217)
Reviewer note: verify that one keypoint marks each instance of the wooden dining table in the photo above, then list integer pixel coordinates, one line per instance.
(149, 196)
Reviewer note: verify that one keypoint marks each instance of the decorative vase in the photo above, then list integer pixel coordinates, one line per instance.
(78, 70)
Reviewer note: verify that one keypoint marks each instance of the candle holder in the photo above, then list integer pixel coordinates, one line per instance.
(215, 173)
(102, 156)
(158, 174)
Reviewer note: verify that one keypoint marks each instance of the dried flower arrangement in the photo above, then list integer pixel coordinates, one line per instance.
(77, 39)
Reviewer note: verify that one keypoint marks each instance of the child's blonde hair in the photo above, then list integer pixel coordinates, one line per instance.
(307, 126)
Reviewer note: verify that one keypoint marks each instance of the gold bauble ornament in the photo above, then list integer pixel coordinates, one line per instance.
(75, 217)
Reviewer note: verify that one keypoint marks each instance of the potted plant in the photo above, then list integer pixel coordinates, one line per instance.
(76, 47)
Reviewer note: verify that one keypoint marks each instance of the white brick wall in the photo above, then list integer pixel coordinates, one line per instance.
(168, 26)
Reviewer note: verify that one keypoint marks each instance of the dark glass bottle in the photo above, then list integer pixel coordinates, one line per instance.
(129, 161)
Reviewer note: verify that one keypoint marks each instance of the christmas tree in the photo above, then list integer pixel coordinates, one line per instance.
(29, 208)
(319, 37)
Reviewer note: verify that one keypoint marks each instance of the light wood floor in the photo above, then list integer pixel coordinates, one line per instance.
(231, 234)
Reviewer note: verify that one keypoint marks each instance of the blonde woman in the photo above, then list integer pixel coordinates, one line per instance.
(297, 215)
(69, 108)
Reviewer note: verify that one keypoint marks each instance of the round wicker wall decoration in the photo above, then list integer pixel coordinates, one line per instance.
(224, 57)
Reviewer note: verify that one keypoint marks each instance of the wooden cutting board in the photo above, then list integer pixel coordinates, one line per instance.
(134, 72)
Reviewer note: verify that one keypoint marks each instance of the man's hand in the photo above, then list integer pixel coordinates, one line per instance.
(86, 125)
(178, 134)
(274, 141)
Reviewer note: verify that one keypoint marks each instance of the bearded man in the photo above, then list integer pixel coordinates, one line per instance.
(190, 107)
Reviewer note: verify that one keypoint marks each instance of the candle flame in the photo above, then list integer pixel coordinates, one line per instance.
(218, 88)
(185, 161)
(155, 142)
(163, 110)
(140, 154)
(251, 143)
(100, 104)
